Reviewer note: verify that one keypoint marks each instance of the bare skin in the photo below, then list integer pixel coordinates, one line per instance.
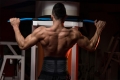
(57, 40)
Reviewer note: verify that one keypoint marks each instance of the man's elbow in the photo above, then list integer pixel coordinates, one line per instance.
(22, 47)
(91, 49)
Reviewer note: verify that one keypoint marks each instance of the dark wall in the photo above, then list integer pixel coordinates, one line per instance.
(7, 34)
(110, 14)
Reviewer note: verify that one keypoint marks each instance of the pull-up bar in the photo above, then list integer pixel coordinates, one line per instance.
(49, 19)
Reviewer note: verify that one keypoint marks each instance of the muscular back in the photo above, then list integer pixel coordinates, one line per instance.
(58, 42)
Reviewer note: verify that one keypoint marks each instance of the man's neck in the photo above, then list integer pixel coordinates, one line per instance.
(57, 25)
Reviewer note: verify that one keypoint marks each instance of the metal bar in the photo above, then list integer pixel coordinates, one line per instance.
(73, 63)
(115, 60)
(23, 52)
(22, 68)
(33, 58)
(66, 23)
(13, 57)
(2, 68)
(8, 43)
(11, 48)
(109, 59)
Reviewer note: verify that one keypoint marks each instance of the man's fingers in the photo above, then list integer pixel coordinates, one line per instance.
(95, 21)
(18, 19)
(103, 23)
(100, 23)
(12, 19)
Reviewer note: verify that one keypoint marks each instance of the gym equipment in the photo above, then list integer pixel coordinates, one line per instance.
(49, 19)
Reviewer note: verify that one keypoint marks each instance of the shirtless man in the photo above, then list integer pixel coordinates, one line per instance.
(56, 41)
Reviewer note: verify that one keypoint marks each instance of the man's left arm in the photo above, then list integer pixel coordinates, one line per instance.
(91, 44)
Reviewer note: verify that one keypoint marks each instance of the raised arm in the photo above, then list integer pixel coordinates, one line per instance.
(30, 40)
(91, 44)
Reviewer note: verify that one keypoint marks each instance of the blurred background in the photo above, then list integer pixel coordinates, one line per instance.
(91, 64)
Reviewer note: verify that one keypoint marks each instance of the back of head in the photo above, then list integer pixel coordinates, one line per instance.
(59, 11)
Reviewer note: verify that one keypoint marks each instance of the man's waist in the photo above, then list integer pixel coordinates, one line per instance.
(54, 64)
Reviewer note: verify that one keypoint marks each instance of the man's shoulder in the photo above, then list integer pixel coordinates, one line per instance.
(74, 30)
(42, 27)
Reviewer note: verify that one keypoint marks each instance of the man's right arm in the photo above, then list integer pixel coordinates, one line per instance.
(31, 39)
(91, 44)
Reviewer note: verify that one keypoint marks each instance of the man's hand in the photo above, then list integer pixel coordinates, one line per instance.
(15, 22)
(100, 24)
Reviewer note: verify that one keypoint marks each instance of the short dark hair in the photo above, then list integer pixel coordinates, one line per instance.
(59, 11)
